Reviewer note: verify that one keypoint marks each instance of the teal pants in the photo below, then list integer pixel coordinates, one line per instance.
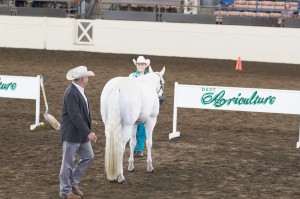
(140, 138)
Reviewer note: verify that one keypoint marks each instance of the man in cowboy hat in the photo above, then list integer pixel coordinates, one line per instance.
(76, 133)
(141, 64)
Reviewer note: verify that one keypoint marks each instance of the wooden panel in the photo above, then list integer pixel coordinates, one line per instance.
(292, 23)
(184, 18)
(129, 15)
(146, 2)
(249, 21)
(5, 11)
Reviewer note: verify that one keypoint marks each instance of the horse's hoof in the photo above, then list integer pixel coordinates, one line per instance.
(133, 170)
(151, 171)
(123, 182)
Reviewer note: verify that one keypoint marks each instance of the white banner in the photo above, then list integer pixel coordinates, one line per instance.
(234, 99)
(19, 87)
(238, 99)
(23, 88)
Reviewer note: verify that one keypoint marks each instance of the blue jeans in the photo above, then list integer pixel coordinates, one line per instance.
(70, 175)
(140, 138)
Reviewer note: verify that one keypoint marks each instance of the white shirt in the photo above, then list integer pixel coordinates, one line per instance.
(81, 90)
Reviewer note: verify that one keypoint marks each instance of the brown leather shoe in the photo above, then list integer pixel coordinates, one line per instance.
(72, 196)
(77, 192)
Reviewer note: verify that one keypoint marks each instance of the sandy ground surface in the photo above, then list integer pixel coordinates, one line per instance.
(220, 154)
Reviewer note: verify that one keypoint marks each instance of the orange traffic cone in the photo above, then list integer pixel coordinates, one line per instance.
(238, 64)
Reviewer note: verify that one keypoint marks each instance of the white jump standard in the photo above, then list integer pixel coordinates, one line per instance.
(22, 88)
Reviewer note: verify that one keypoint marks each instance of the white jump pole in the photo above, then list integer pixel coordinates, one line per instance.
(174, 133)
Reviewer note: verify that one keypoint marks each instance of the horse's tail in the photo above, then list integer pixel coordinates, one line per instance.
(113, 133)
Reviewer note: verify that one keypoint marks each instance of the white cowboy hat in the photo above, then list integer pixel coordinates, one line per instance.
(79, 72)
(141, 59)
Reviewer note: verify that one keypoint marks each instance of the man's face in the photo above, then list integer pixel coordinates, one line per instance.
(84, 81)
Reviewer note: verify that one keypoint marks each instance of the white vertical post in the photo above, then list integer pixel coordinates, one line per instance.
(298, 143)
(82, 8)
(174, 133)
(195, 8)
(37, 104)
(37, 101)
(185, 8)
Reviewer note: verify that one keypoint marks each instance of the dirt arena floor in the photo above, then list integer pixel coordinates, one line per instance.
(220, 154)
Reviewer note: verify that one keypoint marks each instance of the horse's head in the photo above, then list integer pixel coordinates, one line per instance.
(160, 85)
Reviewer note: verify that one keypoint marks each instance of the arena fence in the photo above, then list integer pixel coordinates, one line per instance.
(111, 36)
(22, 88)
(234, 99)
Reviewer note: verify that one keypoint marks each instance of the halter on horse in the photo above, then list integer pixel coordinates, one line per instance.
(126, 102)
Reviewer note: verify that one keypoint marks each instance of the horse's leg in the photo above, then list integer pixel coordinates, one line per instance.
(126, 132)
(150, 123)
(132, 146)
(121, 177)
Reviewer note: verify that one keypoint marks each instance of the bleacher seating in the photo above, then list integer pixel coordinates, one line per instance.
(144, 5)
(239, 12)
(47, 8)
(145, 2)
(259, 8)
(244, 9)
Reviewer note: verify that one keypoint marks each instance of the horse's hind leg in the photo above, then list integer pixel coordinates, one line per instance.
(150, 123)
(125, 137)
(132, 146)
(121, 177)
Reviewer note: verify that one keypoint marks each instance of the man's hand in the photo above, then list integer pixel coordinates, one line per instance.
(92, 137)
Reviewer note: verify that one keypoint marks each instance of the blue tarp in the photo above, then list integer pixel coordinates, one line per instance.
(226, 1)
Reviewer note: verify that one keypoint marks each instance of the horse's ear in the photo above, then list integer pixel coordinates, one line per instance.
(150, 69)
(134, 61)
(162, 72)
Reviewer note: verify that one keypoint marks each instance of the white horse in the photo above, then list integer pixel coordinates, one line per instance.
(126, 102)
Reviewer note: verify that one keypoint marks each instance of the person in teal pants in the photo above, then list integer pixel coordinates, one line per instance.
(141, 64)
